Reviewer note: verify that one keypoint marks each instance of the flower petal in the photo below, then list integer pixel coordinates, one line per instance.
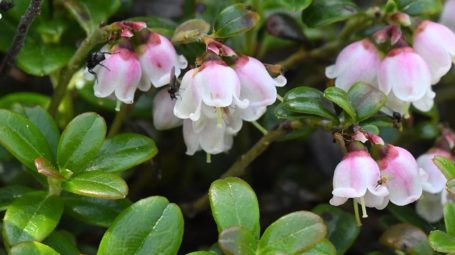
(188, 104)
(163, 116)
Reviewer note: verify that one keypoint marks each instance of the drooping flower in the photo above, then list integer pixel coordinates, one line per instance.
(158, 58)
(120, 73)
(163, 116)
(359, 61)
(356, 174)
(404, 73)
(430, 207)
(256, 84)
(400, 175)
(448, 14)
(213, 84)
(435, 43)
(435, 181)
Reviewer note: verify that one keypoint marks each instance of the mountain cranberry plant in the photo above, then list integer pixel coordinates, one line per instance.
(255, 127)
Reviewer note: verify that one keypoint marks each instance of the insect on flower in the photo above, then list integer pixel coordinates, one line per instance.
(95, 59)
(173, 85)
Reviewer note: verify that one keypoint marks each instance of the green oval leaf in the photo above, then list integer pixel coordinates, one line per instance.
(24, 98)
(325, 247)
(451, 186)
(366, 100)
(420, 7)
(22, 139)
(446, 166)
(80, 142)
(294, 233)
(340, 98)
(234, 203)
(123, 152)
(297, 5)
(235, 19)
(10, 193)
(202, 253)
(97, 184)
(325, 12)
(193, 30)
(63, 242)
(237, 241)
(342, 227)
(32, 248)
(442, 242)
(32, 217)
(449, 217)
(94, 211)
(150, 226)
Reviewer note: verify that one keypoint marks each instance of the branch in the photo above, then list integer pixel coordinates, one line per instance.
(239, 167)
(30, 14)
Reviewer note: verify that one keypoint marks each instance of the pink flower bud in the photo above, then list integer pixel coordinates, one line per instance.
(435, 43)
(436, 180)
(401, 18)
(119, 72)
(256, 83)
(400, 174)
(163, 116)
(448, 14)
(353, 176)
(157, 60)
(359, 61)
(404, 73)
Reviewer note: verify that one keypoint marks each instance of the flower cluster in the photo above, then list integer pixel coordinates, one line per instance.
(128, 67)
(215, 97)
(394, 175)
(405, 74)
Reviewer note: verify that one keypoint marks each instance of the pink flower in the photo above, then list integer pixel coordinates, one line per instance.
(256, 83)
(356, 174)
(436, 181)
(163, 116)
(435, 43)
(359, 61)
(404, 73)
(158, 58)
(400, 174)
(448, 14)
(213, 84)
(120, 73)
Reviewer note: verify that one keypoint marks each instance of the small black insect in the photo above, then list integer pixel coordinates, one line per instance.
(396, 116)
(173, 85)
(95, 59)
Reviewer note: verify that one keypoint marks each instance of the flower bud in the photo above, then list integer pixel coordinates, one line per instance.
(359, 61)
(435, 43)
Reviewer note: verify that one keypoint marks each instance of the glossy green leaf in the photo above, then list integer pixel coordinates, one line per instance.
(23, 98)
(446, 166)
(325, 247)
(420, 7)
(442, 242)
(63, 242)
(325, 12)
(193, 30)
(294, 233)
(234, 203)
(340, 98)
(406, 238)
(80, 142)
(32, 217)
(123, 152)
(32, 248)
(22, 139)
(46, 124)
(90, 14)
(366, 100)
(10, 193)
(94, 211)
(97, 184)
(150, 226)
(342, 227)
(237, 241)
(449, 217)
(451, 186)
(297, 5)
(308, 100)
(202, 253)
(235, 19)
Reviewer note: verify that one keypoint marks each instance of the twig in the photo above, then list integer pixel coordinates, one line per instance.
(239, 167)
(30, 14)
(98, 36)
